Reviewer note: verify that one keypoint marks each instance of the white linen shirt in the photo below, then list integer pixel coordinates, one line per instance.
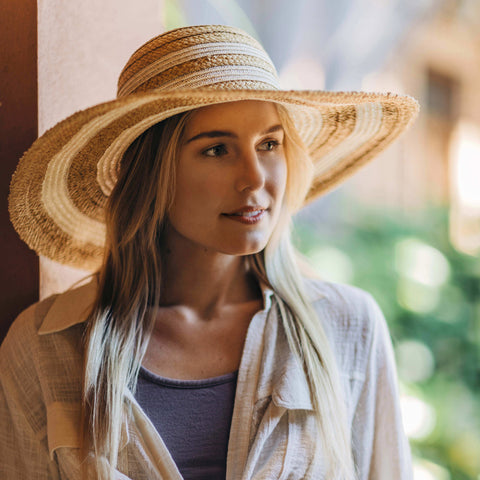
(273, 432)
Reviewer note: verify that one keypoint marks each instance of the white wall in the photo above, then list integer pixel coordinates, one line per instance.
(82, 47)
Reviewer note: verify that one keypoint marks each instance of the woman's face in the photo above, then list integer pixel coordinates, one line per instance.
(231, 177)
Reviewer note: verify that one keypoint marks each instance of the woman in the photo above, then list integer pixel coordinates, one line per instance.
(198, 350)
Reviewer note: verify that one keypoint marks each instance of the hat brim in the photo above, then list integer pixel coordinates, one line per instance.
(59, 190)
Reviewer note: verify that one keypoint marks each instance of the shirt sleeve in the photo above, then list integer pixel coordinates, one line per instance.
(381, 446)
(23, 440)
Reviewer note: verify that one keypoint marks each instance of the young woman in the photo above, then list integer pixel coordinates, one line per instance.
(198, 349)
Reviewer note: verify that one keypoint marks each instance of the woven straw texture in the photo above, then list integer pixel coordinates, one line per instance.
(61, 184)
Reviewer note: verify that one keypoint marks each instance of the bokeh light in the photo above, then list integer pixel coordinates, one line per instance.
(417, 297)
(414, 360)
(421, 263)
(465, 451)
(419, 417)
(425, 470)
(331, 264)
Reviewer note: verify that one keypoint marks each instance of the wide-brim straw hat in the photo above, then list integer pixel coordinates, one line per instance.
(59, 190)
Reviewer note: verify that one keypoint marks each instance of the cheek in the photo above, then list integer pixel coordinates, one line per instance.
(278, 178)
(196, 190)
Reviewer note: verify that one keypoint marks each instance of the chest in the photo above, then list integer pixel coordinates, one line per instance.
(184, 347)
(193, 418)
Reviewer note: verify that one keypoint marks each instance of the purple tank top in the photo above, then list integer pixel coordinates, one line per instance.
(193, 418)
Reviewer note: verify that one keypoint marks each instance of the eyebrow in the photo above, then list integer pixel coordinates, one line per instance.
(226, 133)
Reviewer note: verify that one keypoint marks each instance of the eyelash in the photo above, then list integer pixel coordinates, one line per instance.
(219, 146)
(274, 144)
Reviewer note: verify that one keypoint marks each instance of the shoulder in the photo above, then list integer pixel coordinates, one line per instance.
(44, 335)
(22, 334)
(351, 318)
(41, 376)
(344, 305)
(20, 370)
(53, 314)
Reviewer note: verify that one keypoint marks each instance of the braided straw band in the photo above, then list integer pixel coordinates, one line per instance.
(194, 57)
(61, 185)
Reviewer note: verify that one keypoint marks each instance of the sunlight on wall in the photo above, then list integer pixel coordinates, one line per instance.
(465, 154)
(465, 188)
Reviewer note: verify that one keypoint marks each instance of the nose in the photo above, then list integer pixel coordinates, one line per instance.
(251, 173)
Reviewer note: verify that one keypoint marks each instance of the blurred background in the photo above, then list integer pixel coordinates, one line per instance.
(406, 228)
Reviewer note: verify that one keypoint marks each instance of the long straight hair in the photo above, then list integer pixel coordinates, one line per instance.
(120, 323)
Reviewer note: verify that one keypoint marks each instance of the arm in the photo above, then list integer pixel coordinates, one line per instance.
(23, 437)
(23, 454)
(377, 431)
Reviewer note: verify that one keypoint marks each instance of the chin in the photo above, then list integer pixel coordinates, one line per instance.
(246, 249)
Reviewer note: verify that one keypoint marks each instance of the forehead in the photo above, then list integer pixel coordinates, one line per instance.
(241, 114)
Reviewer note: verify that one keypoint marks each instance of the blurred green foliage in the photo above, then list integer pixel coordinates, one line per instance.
(430, 295)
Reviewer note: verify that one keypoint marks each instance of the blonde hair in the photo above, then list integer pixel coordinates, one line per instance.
(120, 324)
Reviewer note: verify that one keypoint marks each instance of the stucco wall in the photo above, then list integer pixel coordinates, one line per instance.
(82, 47)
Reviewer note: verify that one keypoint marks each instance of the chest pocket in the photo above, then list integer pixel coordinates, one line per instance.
(284, 442)
(284, 445)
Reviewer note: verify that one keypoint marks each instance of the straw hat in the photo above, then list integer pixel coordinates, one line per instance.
(61, 184)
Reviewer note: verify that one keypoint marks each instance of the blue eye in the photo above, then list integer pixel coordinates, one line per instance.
(215, 151)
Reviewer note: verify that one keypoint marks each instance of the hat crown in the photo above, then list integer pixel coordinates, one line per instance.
(207, 56)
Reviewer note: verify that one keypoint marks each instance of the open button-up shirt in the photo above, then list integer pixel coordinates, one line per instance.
(273, 432)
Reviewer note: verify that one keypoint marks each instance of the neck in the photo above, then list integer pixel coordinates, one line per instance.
(204, 280)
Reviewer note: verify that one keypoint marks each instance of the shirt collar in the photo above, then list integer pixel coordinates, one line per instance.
(282, 375)
(69, 308)
(291, 389)
(73, 306)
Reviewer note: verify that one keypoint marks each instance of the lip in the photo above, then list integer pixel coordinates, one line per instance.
(248, 214)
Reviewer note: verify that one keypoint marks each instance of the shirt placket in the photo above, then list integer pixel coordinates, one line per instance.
(161, 460)
(245, 396)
